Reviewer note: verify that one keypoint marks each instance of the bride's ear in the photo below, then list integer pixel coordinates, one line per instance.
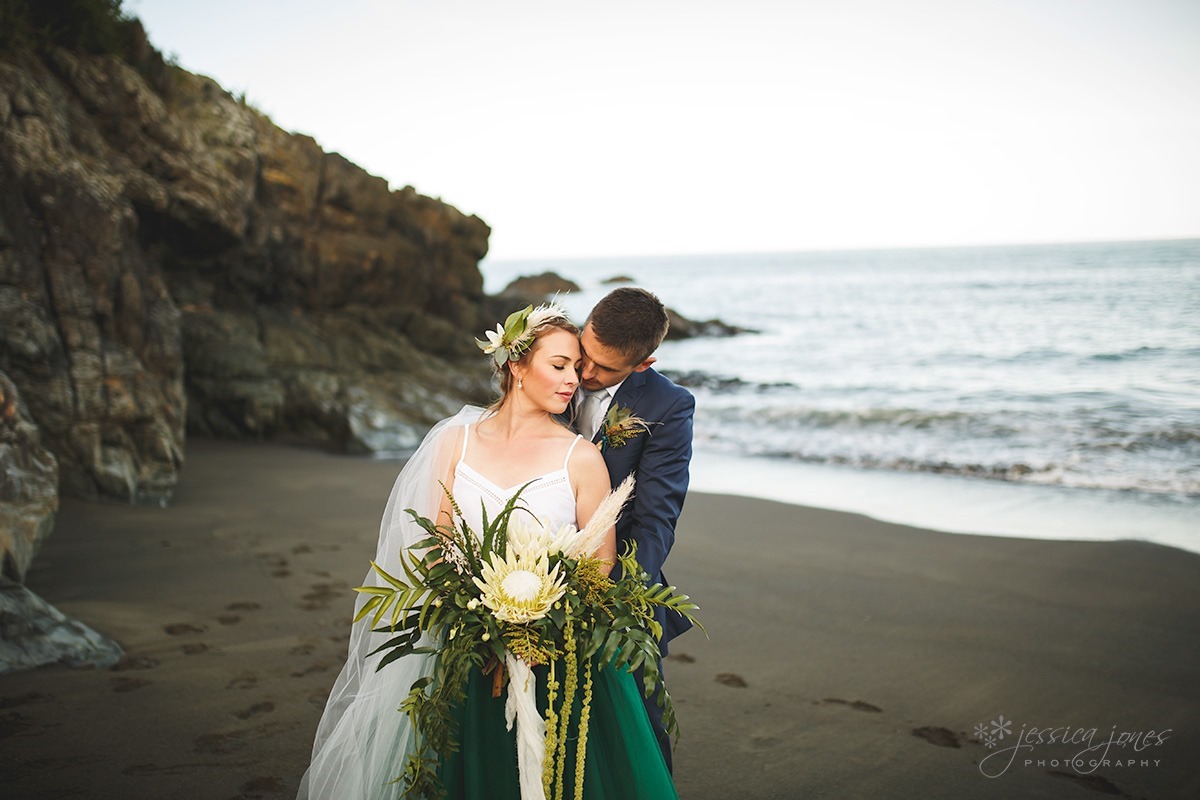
(517, 373)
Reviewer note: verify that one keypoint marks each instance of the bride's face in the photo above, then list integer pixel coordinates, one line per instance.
(550, 373)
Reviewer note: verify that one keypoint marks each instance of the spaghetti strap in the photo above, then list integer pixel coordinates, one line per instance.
(466, 438)
(570, 450)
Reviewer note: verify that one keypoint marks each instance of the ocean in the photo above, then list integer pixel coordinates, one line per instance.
(1036, 390)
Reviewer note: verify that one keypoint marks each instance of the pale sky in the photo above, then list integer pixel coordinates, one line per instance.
(645, 127)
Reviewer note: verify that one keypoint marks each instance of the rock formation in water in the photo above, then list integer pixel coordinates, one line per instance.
(171, 260)
(541, 285)
(683, 328)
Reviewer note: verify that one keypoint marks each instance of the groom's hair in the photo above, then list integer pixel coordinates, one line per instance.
(632, 321)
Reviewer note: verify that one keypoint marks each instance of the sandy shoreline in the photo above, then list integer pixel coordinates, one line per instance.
(847, 633)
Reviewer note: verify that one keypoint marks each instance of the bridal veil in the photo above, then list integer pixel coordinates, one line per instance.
(363, 739)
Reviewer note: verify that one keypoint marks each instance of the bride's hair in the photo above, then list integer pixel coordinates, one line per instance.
(506, 376)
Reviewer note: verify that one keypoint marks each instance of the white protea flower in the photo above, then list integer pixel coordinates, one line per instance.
(531, 537)
(518, 589)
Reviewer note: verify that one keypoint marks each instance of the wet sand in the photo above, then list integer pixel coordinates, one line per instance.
(847, 657)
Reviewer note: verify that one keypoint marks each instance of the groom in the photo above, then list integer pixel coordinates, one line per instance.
(618, 343)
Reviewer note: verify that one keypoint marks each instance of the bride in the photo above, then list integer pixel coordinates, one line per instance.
(484, 456)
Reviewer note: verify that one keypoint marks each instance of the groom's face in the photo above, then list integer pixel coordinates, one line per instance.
(604, 366)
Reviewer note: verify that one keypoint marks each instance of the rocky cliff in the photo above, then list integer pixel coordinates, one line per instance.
(172, 261)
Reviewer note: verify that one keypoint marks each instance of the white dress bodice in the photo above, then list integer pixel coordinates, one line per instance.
(549, 497)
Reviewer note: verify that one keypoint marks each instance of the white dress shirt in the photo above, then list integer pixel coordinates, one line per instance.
(589, 427)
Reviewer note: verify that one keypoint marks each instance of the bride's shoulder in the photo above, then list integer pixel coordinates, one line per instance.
(586, 457)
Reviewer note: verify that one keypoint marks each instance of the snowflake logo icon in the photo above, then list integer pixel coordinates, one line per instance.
(989, 740)
(1001, 727)
(981, 730)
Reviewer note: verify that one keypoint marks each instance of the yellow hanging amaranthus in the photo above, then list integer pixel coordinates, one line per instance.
(551, 733)
(570, 686)
(584, 715)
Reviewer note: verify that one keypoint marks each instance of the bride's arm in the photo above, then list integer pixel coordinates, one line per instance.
(590, 478)
(445, 513)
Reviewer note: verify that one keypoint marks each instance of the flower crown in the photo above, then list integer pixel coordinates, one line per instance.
(510, 340)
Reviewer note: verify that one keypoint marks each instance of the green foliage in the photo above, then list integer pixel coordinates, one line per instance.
(599, 620)
(85, 26)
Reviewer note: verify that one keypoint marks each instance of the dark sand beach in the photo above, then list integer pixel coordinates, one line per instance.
(847, 657)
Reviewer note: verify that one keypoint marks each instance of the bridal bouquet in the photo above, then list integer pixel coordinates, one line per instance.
(516, 595)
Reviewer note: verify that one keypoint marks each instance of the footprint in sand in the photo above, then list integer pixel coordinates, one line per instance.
(247, 680)
(229, 619)
(277, 563)
(128, 684)
(302, 650)
(243, 606)
(310, 669)
(29, 698)
(732, 679)
(195, 648)
(219, 743)
(321, 595)
(318, 697)
(168, 769)
(255, 710)
(301, 548)
(135, 662)
(12, 723)
(942, 737)
(233, 741)
(258, 788)
(683, 658)
(1096, 783)
(181, 628)
(857, 705)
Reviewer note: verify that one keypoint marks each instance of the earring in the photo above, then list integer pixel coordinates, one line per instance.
(520, 384)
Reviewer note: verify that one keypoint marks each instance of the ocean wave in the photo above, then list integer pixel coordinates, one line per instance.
(1125, 355)
(793, 417)
(1113, 428)
(1155, 439)
(1050, 474)
(1055, 447)
(696, 379)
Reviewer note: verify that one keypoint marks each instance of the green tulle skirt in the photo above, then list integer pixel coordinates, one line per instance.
(623, 760)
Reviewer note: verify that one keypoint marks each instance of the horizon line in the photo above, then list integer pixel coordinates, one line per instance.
(847, 249)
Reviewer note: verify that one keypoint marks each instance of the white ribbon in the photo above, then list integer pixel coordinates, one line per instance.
(521, 705)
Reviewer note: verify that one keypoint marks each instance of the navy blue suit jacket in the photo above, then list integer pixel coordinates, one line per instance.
(659, 461)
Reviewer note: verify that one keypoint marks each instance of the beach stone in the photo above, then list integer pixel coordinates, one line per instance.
(683, 328)
(172, 261)
(28, 486)
(542, 285)
(34, 633)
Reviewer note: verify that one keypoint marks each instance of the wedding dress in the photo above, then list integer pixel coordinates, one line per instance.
(363, 741)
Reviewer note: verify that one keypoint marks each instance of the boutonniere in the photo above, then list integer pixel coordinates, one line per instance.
(620, 425)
